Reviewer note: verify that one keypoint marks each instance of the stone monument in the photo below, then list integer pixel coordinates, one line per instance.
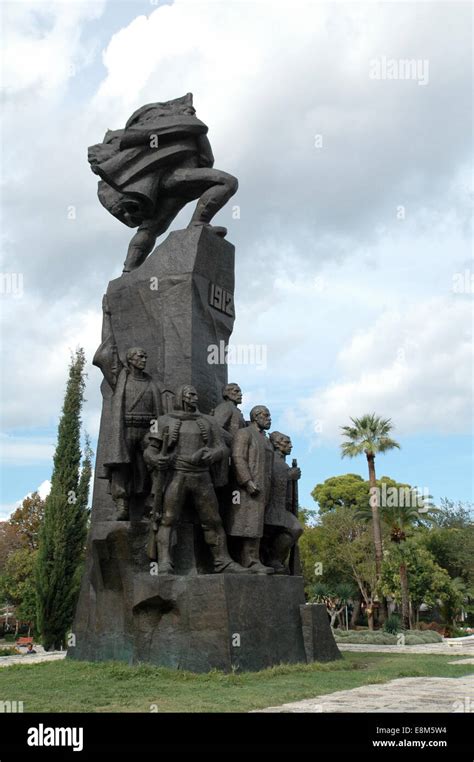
(190, 554)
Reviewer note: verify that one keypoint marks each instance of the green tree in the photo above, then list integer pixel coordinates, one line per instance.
(334, 596)
(400, 520)
(427, 582)
(18, 547)
(451, 540)
(17, 583)
(308, 547)
(10, 540)
(370, 435)
(349, 490)
(63, 531)
(27, 520)
(342, 546)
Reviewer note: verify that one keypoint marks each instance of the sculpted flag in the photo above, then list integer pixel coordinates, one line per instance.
(131, 162)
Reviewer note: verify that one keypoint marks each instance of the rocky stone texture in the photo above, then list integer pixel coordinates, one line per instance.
(175, 306)
(196, 622)
(318, 639)
(165, 307)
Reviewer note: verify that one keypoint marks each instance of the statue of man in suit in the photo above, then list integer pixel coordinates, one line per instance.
(252, 458)
(282, 528)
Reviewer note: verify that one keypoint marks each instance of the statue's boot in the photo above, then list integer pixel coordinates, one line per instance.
(251, 559)
(278, 567)
(219, 187)
(121, 503)
(216, 229)
(223, 563)
(280, 549)
(164, 558)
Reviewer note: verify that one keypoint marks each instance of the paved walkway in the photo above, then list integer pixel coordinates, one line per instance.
(41, 655)
(407, 694)
(449, 646)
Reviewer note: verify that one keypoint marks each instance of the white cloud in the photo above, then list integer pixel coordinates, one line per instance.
(266, 78)
(35, 388)
(414, 367)
(42, 46)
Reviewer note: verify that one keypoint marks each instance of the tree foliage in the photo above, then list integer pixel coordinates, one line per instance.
(63, 532)
(368, 435)
(27, 520)
(349, 490)
(427, 582)
(17, 583)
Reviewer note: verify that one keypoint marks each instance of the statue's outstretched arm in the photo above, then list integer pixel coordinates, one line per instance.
(106, 357)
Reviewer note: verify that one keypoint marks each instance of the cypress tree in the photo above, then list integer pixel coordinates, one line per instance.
(63, 531)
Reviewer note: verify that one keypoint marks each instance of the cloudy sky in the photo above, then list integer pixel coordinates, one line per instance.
(353, 246)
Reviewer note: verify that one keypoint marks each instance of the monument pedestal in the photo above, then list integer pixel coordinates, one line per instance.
(177, 306)
(196, 622)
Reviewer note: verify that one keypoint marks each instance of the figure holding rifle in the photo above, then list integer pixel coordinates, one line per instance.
(181, 454)
(282, 528)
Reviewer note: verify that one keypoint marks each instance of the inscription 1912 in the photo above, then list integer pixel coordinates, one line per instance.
(221, 299)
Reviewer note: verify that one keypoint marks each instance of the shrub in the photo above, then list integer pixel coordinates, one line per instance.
(392, 624)
(380, 638)
(459, 632)
(9, 651)
(417, 638)
(435, 626)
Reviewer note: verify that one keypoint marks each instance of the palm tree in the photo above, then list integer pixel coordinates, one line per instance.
(335, 597)
(399, 519)
(369, 435)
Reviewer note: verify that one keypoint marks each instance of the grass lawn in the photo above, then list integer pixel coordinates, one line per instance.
(70, 686)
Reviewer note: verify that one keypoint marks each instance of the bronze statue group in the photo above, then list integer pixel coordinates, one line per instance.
(233, 474)
(159, 447)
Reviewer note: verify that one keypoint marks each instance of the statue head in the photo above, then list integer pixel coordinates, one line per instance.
(260, 415)
(281, 442)
(136, 358)
(232, 392)
(186, 398)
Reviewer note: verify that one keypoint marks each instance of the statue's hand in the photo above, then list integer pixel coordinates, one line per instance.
(151, 455)
(162, 462)
(252, 488)
(105, 305)
(294, 474)
(206, 456)
(154, 459)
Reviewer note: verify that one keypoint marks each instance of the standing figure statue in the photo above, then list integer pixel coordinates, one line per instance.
(252, 458)
(282, 528)
(230, 419)
(135, 403)
(193, 444)
(150, 170)
(228, 414)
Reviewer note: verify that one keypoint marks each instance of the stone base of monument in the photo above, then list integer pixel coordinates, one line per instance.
(196, 622)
